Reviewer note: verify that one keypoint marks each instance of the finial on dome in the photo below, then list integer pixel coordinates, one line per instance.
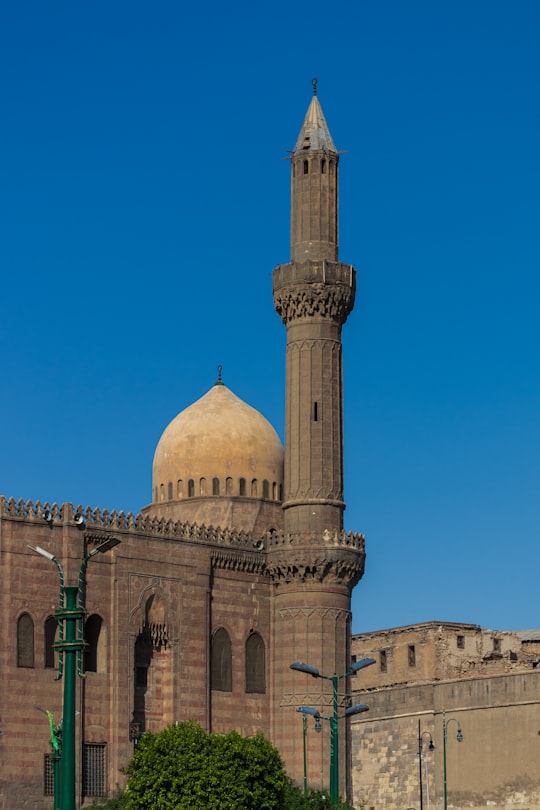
(314, 83)
(219, 380)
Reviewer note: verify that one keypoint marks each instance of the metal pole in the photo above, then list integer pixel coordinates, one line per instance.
(71, 614)
(304, 729)
(444, 760)
(55, 763)
(427, 784)
(420, 766)
(334, 753)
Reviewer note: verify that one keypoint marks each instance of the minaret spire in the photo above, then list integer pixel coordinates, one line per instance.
(314, 294)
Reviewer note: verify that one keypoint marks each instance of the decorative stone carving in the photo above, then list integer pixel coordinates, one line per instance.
(314, 300)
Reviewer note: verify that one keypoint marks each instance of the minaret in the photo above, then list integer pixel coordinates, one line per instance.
(314, 564)
(314, 294)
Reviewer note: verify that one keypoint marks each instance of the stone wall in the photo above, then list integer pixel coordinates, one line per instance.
(496, 765)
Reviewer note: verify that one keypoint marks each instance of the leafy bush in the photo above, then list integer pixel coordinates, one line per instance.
(184, 768)
(314, 800)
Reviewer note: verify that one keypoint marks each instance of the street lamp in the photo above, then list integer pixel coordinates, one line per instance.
(315, 713)
(70, 645)
(431, 747)
(300, 666)
(459, 737)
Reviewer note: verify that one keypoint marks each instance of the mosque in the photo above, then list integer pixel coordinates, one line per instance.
(237, 568)
(196, 607)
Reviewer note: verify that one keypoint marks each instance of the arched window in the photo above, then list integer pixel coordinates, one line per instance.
(180, 488)
(266, 489)
(323, 166)
(221, 663)
(25, 641)
(274, 491)
(306, 167)
(228, 486)
(92, 632)
(254, 488)
(162, 492)
(169, 490)
(191, 488)
(242, 486)
(202, 486)
(215, 486)
(255, 666)
(51, 629)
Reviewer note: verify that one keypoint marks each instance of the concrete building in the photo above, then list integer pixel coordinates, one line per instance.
(238, 566)
(438, 675)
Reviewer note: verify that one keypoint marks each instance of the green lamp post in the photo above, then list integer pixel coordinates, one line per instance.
(70, 646)
(300, 666)
(55, 730)
(459, 738)
(308, 710)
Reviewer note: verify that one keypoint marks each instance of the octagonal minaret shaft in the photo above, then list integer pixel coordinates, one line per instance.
(314, 294)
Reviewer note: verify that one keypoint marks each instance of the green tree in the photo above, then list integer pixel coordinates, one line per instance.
(184, 768)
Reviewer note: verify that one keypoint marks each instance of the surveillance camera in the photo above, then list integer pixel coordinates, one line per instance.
(79, 520)
(259, 545)
(47, 515)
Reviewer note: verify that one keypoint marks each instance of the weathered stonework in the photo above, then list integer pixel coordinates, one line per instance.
(485, 680)
(237, 567)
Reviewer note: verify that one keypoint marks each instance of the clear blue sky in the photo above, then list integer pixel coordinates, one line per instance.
(144, 202)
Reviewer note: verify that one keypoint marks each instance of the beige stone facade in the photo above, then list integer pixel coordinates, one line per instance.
(485, 681)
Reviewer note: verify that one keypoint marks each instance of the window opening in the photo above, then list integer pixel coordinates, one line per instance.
(215, 486)
(51, 628)
(221, 662)
(255, 665)
(48, 775)
(92, 631)
(93, 771)
(25, 641)
(412, 655)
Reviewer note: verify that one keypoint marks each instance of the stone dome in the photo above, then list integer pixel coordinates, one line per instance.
(219, 446)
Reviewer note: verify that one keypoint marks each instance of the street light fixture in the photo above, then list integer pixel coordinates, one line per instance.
(307, 710)
(459, 738)
(431, 747)
(308, 669)
(70, 645)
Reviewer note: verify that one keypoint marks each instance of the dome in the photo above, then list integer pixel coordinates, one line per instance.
(219, 446)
